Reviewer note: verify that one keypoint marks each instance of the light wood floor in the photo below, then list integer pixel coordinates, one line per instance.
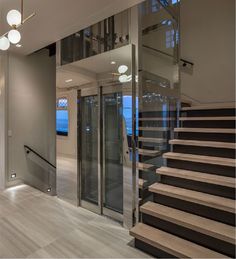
(34, 225)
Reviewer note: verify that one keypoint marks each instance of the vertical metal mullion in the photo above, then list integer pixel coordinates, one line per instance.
(100, 150)
(79, 146)
(134, 171)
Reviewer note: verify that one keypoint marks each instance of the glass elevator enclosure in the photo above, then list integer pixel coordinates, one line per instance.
(121, 78)
(104, 179)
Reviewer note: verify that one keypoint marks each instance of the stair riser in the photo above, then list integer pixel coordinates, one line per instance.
(191, 235)
(205, 151)
(160, 124)
(159, 114)
(144, 194)
(209, 113)
(199, 186)
(208, 124)
(223, 137)
(202, 167)
(146, 158)
(157, 253)
(201, 210)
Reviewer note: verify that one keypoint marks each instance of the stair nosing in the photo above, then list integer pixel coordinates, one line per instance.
(197, 176)
(141, 183)
(154, 140)
(184, 219)
(163, 243)
(156, 119)
(153, 129)
(197, 197)
(225, 118)
(202, 143)
(206, 130)
(209, 107)
(221, 161)
(147, 152)
(144, 166)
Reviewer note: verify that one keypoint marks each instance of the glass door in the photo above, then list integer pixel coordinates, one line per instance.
(112, 153)
(89, 151)
(106, 136)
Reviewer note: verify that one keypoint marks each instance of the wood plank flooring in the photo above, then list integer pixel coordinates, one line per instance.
(35, 225)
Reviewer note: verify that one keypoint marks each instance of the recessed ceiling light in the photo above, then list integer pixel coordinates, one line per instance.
(18, 45)
(68, 80)
(113, 62)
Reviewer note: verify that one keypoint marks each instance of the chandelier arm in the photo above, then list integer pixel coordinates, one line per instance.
(29, 17)
(22, 11)
(4, 34)
(26, 20)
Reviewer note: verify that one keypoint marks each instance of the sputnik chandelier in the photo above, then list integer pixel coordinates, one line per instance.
(15, 19)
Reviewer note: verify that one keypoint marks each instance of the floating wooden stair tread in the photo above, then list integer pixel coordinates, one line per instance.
(141, 183)
(156, 119)
(152, 140)
(143, 166)
(205, 130)
(171, 244)
(199, 224)
(197, 176)
(214, 144)
(147, 152)
(205, 199)
(201, 159)
(209, 107)
(216, 118)
(153, 129)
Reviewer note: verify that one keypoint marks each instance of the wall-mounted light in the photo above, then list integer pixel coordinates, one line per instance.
(68, 80)
(13, 175)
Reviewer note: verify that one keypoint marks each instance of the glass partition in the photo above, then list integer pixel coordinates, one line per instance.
(103, 36)
(89, 143)
(159, 87)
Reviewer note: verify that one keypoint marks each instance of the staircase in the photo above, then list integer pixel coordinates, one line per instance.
(192, 213)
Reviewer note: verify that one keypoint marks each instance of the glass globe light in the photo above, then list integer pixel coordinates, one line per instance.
(14, 36)
(14, 17)
(122, 69)
(123, 78)
(4, 43)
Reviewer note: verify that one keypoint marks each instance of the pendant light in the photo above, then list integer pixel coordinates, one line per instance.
(15, 19)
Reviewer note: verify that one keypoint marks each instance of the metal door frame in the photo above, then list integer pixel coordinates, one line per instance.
(85, 204)
(106, 90)
(130, 182)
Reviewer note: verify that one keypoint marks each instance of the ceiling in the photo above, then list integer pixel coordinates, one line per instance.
(56, 19)
(91, 69)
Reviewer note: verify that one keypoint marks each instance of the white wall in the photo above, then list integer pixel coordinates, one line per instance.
(3, 65)
(31, 112)
(67, 145)
(208, 40)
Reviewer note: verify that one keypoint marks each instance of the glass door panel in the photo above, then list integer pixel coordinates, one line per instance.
(89, 145)
(113, 151)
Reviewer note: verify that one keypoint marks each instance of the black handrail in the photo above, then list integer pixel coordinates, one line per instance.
(28, 150)
(169, 55)
(186, 62)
